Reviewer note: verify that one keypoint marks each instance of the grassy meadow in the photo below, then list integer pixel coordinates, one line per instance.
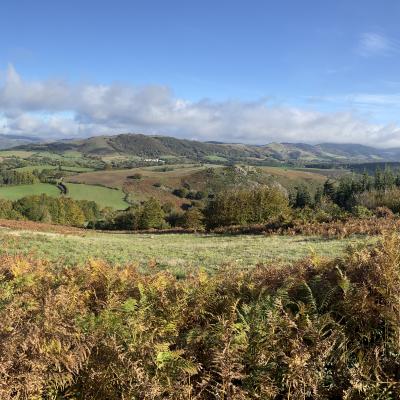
(103, 196)
(18, 191)
(177, 252)
(41, 167)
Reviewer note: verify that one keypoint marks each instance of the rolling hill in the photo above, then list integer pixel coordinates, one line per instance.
(9, 141)
(145, 146)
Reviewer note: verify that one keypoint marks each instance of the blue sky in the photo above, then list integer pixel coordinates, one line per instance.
(249, 71)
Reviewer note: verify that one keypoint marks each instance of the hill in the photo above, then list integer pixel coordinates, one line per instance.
(144, 146)
(9, 141)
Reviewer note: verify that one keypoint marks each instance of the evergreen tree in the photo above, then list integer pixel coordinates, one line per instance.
(329, 189)
(379, 180)
(303, 197)
(318, 195)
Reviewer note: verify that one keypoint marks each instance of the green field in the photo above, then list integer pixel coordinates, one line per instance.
(18, 191)
(15, 153)
(178, 252)
(103, 196)
(216, 158)
(41, 167)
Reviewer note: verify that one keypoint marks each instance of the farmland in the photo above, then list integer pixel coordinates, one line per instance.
(41, 167)
(19, 191)
(103, 196)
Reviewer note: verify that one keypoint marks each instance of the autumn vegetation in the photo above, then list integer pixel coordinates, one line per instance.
(318, 329)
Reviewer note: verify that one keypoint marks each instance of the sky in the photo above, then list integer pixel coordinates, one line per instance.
(236, 71)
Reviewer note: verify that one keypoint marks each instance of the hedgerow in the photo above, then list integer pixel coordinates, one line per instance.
(319, 329)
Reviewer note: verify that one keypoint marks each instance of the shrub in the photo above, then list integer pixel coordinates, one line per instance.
(361, 212)
(136, 176)
(319, 329)
(383, 212)
(181, 192)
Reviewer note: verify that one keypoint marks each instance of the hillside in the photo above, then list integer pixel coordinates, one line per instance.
(144, 146)
(9, 141)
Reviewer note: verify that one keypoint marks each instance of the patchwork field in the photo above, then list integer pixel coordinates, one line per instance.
(179, 253)
(117, 178)
(103, 196)
(154, 181)
(41, 167)
(158, 183)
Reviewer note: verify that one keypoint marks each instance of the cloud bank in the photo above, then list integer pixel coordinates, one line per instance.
(58, 109)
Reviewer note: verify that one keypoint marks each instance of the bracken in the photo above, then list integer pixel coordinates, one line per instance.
(314, 330)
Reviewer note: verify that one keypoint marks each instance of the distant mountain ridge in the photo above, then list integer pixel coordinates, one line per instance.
(9, 141)
(140, 145)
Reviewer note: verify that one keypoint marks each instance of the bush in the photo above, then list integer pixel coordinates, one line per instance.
(361, 212)
(384, 212)
(181, 192)
(136, 176)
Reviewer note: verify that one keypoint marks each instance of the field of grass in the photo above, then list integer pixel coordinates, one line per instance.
(18, 191)
(103, 196)
(15, 153)
(216, 158)
(40, 167)
(177, 252)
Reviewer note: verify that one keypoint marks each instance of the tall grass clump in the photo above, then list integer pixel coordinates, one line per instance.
(318, 329)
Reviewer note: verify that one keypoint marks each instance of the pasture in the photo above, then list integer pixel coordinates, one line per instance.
(179, 253)
(18, 191)
(41, 167)
(15, 153)
(103, 196)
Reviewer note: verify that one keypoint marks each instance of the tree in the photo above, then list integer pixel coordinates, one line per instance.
(303, 197)
(329, 189)
(152, 215)
(241, 207)
(193, 219)
(318, 195)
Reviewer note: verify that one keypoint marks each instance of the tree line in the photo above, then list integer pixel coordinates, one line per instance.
(42, 208)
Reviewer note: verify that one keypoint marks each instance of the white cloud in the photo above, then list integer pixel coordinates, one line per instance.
(55, 109)
(372, 43)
